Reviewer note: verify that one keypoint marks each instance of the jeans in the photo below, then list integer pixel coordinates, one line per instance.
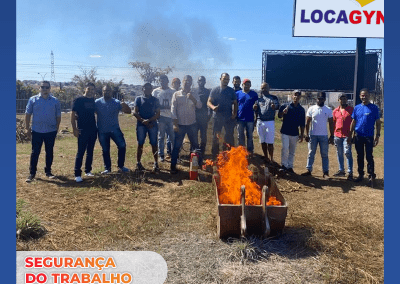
(323, 142)
(86, 141)
(368, 143)
(249, 127)
(179, 136)
(289, 144)
(202, 127)
(165, 126)
(219, 123)
(142, 131)
(342, 146)
(37, 141)
(118, 137)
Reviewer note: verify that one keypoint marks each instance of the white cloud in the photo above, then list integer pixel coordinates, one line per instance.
(95, 56)
(232, 38)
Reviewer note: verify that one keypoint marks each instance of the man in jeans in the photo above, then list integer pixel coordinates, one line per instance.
(202, 114)
(317, 117)
(365, 117)
(246, 99)
(107, 109)
(183, 109)
(83, 110)
(147, 111)
(294, 116)
(164, 95)
(46, 112)
(220, 102)
(342, 121)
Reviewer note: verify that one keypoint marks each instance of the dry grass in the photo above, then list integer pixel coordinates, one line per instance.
(333, 234)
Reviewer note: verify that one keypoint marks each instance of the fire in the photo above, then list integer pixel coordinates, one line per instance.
(208, 163)
(233, 171)
(273, 201)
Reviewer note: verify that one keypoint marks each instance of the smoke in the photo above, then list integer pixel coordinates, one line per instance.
(187, 43)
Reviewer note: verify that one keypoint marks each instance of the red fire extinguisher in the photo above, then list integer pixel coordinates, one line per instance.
(194, 166)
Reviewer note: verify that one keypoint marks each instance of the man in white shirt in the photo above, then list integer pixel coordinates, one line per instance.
(164, 95)
(316, 133)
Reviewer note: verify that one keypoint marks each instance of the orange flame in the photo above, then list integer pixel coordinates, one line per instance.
(233, 171)
(208, 163)
(273, 201)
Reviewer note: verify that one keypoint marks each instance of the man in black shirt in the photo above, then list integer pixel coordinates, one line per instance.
(84, 127)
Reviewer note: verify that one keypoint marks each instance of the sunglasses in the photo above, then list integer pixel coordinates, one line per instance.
(45, 87)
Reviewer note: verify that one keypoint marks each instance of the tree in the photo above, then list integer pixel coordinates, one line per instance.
(150, 74)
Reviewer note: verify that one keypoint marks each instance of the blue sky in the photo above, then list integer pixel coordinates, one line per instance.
(198, 38)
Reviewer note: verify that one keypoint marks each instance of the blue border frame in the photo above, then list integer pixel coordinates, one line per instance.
(7, 142)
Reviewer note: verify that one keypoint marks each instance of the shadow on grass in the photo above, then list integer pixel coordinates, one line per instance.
(293, 243)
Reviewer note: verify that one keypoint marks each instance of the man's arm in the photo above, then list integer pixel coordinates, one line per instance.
(235, 109)
(331, 129)
(58, 122)
(352, 127)
(28, 124)
(378, 124)
(73, 123)
(308, 121)
(301, 134)
(210, 105)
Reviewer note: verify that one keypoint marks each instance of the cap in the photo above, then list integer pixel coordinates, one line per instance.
(246, 80)
(296, 91)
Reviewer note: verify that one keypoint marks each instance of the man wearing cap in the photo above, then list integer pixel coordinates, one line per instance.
(202, 114)
(183, 108)
(365, 118)
(220, 102)
(165, 127)
(147, 111)
(316, 133)
(265, 108)
(236, 83)
(46, 112)
(246, 99)
(107, 110)
(342, 121)
(294, 116)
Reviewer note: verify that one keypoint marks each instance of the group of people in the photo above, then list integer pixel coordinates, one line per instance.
(169, 114)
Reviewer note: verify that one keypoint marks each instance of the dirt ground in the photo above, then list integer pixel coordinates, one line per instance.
(333, 233)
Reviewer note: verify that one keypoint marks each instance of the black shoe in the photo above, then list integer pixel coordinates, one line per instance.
(30, 178)
(372, 181)
(139, 167)
(350, 177)
(50, 175)
(156, 169)
(306, 174)
(291, 171)
(339, 174)
(359, 178)
(283, 169)
(174, 170)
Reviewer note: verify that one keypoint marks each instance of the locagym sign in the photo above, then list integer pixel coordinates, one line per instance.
(339, 18)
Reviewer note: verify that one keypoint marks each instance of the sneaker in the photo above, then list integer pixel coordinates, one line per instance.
(325, 175)
(106, 172)
(124, 170)
(30, 178)
(50, 175)
(156, 169)
(306, 174)
(78, 179)
(291, 171)
(282, 169)
(139, 167)
(89, 174)
(339, 174)
(350, 177)
(359, 178)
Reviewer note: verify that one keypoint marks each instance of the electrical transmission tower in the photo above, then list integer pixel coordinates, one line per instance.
(53, 77)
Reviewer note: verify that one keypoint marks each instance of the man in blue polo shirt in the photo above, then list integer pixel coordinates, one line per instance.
(107, 110)
(246, 99)
(365, 117)
(46, 112)
(294, 116)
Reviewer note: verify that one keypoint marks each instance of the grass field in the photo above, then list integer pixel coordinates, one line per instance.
(333, 233)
